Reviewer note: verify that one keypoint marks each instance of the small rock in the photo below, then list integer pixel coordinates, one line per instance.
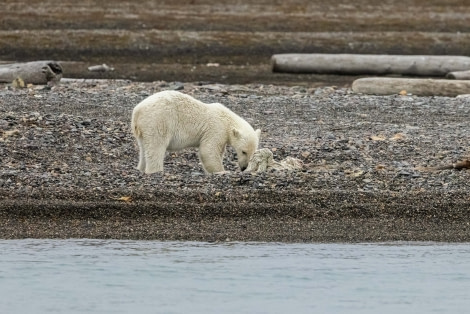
(404, 173)
(176, 86)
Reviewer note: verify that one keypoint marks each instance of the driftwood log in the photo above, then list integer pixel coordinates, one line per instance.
(421, 87)
(464, 164)
(100, 68)
(459, 75)
(369, 64)
(36, 72)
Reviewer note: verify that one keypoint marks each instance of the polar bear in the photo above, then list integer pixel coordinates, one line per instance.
(171, 121)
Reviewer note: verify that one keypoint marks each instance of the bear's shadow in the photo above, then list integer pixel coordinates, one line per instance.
(187, 160)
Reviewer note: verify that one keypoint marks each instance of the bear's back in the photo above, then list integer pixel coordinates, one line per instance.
(182, 108)
(172, 99)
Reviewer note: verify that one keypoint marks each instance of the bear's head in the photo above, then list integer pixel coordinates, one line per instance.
(245, 144)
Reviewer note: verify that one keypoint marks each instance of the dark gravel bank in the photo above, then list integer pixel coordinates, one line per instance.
(68, 167)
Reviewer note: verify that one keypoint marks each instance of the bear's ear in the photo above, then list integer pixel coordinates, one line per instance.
(236, 133)
(258, 133)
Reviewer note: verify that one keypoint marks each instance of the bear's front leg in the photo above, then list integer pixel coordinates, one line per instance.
(211, 158)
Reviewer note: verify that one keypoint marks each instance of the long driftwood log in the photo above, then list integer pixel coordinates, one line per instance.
(35, 72)
(459, 75)
(422, 87)
(369, 64)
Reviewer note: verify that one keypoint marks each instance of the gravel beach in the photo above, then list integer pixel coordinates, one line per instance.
(68, 163)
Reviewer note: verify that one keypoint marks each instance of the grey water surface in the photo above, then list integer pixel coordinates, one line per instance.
(111, 276)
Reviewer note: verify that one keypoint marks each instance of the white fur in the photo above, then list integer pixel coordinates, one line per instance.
(172, 121)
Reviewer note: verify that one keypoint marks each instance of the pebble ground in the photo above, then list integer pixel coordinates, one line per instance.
(68, 167)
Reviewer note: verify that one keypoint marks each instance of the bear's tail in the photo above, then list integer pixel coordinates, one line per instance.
(134, 125)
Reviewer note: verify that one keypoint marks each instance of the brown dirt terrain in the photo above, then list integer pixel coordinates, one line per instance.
(175, 40)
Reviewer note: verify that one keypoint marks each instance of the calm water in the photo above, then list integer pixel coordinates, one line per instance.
(108, 276)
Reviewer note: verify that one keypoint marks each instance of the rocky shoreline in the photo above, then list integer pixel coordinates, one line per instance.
(68, 167)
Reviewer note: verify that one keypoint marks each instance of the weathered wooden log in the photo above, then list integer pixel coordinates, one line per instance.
(421, 87)
(35, 72)
(459, 75)
(100, 68)
(464, 164)
(369, 64)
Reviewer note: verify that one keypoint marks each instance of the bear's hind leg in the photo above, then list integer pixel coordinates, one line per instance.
(154, 156)
(141, 165)
(154, 161)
